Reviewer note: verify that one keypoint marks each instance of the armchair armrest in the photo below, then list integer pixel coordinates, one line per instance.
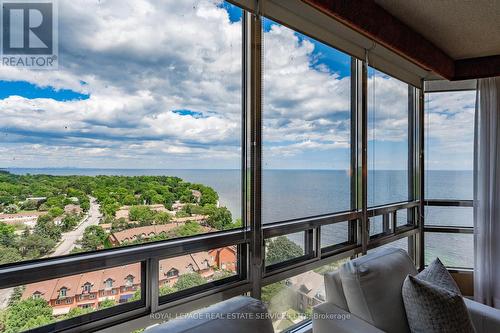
(328, 318)
(485, 319)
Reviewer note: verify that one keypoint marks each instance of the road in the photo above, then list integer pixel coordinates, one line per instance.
(66, 245)
(69, 238)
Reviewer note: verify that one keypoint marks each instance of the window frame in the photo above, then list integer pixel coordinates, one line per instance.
(439, 86)
(252, 274)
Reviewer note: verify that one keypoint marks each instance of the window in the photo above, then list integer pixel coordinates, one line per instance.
(87, 287)
(449, 216)
(108, 284)
(169, 112)
(36, 295)
(62, 292)
(284, 248)
(387, 139)
(172, 273)
(449, 134)
(148, 142)
(454, 250)
(129, 281)
(334, 234)
(291, 301)
(306, 126)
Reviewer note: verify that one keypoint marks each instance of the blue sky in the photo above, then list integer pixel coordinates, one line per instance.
(137, 98)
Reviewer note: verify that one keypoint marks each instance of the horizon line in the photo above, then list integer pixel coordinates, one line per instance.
(208, 169)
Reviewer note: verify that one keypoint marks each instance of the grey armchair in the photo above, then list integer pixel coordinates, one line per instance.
(364, 295)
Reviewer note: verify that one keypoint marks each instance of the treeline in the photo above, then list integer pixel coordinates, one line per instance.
(112, 192)
(59, 191)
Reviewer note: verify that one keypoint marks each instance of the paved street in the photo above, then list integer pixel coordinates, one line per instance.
(66, 245)
(69, 238)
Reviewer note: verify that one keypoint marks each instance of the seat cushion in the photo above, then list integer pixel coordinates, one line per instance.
(432, 309)
(485, 319)
(334, 291)
(372, 287)
(438, 275)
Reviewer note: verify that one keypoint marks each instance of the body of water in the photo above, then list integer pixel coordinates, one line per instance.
(291, 194)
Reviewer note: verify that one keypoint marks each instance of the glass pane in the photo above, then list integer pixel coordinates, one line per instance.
(399, 244)
(334, 234)
(283, 248)
(376, 225)
(306, 126)
(128, 141)
(291, 301)
(387, 139)
(402, 217)
(449, 132)
(42, 303)
(449, 216)
(454, 250)
(196, 269)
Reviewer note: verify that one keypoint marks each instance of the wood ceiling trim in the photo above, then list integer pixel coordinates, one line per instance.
(475, 68)
(371, 20)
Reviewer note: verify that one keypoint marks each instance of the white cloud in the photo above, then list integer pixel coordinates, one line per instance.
(141, 60)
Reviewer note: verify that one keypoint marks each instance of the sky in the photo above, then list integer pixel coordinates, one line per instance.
(157, 84)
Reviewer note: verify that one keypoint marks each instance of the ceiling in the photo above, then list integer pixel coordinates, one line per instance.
(460, 28)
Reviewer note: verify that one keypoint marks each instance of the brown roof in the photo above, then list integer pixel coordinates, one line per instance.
(144, 232)
(50, 289)
(184, 263)
(45, 288)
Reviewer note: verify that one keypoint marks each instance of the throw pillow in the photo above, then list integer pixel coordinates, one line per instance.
(438, 275)
(433, 309)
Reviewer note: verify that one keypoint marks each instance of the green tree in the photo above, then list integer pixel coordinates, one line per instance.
(69, 222)
(165, 290)
(281, 249)
(148, 196)
(35, 246)
(107, 303)
(93, 238)
(29, 205)
(46, 227)
(16, 295)
(120, 224)
(142, 214)
(43, 207)
(189, 280)
(27, 314)
(188, 229)
(78, 311)
(271, 290)
(222, 274)
(7, 234)
(162, 218)
(56, 211)
(11, 209)
(9, 255)
(219, 218)
(137, 296)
